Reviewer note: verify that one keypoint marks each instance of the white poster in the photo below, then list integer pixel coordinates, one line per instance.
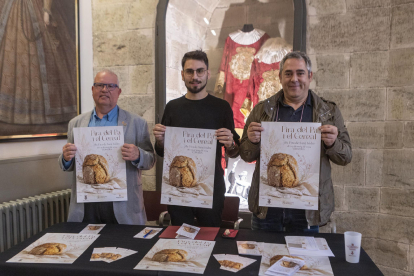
(55, 248)
(189, 167)
(313, 265)
(100, 169)
(289, 165)
(178, 255)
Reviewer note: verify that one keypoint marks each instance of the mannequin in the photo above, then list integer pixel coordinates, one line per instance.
(234, 72)
(247, 28)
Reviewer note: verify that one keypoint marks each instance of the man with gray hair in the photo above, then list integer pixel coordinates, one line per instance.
(296, 103)
(137, 150)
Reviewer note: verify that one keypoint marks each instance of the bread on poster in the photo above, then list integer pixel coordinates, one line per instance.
(231, 264)
(94, 227)
(189, 229)
(96, 256)
(283, 171)
(95, 169)
(183, 172)
(48, 249)
(276, 258)
(170, 255)
(248, 246)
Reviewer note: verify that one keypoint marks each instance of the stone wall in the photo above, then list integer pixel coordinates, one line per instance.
(124, 42)
(363, 56)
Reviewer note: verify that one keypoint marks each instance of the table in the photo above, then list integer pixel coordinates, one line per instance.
(122, 236)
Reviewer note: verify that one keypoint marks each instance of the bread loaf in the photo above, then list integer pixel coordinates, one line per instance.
(183, 172)
(95, 169)
(283, 171)
(48, 249)
(170, 255)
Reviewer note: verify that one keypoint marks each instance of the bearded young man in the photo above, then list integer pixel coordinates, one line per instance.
(198, 109)
(295, 102)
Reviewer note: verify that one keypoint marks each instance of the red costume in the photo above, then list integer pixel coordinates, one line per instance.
(264, 75)
(264, 81)
(236, 62)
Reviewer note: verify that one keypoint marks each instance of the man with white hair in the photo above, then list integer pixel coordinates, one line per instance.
(137, 151)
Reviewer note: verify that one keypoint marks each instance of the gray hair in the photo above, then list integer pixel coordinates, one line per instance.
(297, 55)
(109, 72)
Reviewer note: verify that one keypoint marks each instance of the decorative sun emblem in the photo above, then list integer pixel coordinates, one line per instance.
(270, 85)
(241, 63)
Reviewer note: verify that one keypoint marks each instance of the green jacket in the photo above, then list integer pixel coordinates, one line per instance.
(340, 153)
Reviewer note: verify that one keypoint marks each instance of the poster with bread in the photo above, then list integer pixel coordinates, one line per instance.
(313, 265)
(100, 169)
(189, 166)
(178, 255)
(289, 165)
(55, 248)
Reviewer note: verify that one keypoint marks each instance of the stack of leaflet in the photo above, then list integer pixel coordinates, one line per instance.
(110, 254)
(250, 248)
(233, 263)
(285, 267)
(308, 246)
(187, 231)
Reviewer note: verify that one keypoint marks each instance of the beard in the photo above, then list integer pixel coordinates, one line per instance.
(195, 90)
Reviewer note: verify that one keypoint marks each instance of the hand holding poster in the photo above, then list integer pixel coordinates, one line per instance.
(289, 165)
(189, 165)
(100, 169)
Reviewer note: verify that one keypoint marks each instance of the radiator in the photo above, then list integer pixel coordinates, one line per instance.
(23, 218)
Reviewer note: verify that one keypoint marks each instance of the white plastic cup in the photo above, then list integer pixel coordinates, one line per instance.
(352, 246)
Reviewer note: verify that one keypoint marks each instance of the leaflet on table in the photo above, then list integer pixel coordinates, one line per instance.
(100, 169)
(92, 229)
(55, 248)
(189, 167)
(188, 231)
(313, 265)
(250, 248)
(178, 255)
(233, 263)
(110, 254)
(289, 165)
(285, 267)
(311, 246)
(148, 233)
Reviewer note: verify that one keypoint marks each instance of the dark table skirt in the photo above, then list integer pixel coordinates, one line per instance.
(122, 236)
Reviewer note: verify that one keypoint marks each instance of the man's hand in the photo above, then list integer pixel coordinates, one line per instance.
(328, 134)
(46, 19)
(69, 151)
(130, 152)
(254, 132)
(159, 133)
(224, 136)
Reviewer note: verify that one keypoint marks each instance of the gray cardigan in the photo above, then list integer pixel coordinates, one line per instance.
(135, 132)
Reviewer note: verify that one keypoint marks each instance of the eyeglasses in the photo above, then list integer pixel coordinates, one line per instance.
(190, 72)
(109, 86)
